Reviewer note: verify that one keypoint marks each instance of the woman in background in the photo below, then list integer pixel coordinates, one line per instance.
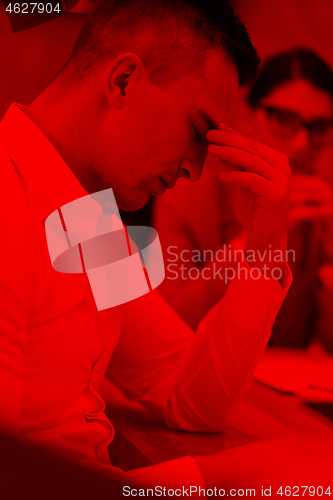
(290, 109)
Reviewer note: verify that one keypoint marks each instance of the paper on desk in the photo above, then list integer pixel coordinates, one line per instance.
(307, 373)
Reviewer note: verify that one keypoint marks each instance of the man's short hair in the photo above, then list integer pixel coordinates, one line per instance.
(172, 38)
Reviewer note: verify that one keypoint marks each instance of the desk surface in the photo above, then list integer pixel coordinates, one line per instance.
(142, 439)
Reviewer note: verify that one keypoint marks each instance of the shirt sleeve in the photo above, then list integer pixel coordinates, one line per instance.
(193, 380)
(17, 278)
(180, 474)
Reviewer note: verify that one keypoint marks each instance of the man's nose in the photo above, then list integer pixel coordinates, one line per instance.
(192, 165)
(191, 170)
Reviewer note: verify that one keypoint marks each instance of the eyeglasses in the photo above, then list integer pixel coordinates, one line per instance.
(286, 124)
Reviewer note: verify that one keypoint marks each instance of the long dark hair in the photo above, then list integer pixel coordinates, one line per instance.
(288, 66)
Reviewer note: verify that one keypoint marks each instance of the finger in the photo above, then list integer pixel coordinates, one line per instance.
(255, 183)
(226, 136)
(248, 161)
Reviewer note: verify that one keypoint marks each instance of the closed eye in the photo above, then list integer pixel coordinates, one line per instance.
(196, 132)
(200, 138)
(199, 135)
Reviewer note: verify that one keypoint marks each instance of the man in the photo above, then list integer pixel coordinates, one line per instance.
(136, 107)
(293, 88)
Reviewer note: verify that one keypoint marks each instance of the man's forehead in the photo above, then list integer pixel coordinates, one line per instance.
(221, 87)
(209, 95)
(215, 107)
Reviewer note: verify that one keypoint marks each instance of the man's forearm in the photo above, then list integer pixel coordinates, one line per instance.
(219, 361)
(196, 289)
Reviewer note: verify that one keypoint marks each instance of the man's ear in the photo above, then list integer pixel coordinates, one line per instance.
(124, 71)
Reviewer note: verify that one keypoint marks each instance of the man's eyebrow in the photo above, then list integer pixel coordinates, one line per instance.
(206, 118)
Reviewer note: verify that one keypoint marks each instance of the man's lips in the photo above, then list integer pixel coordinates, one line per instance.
(163, 185)
(169, 184)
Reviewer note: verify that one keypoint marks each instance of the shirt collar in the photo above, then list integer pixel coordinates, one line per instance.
(46, 175)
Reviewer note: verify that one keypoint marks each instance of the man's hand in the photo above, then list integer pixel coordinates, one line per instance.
(311, 198)
(260, 179)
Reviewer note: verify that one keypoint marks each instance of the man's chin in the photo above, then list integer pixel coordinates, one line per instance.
(131, 204)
